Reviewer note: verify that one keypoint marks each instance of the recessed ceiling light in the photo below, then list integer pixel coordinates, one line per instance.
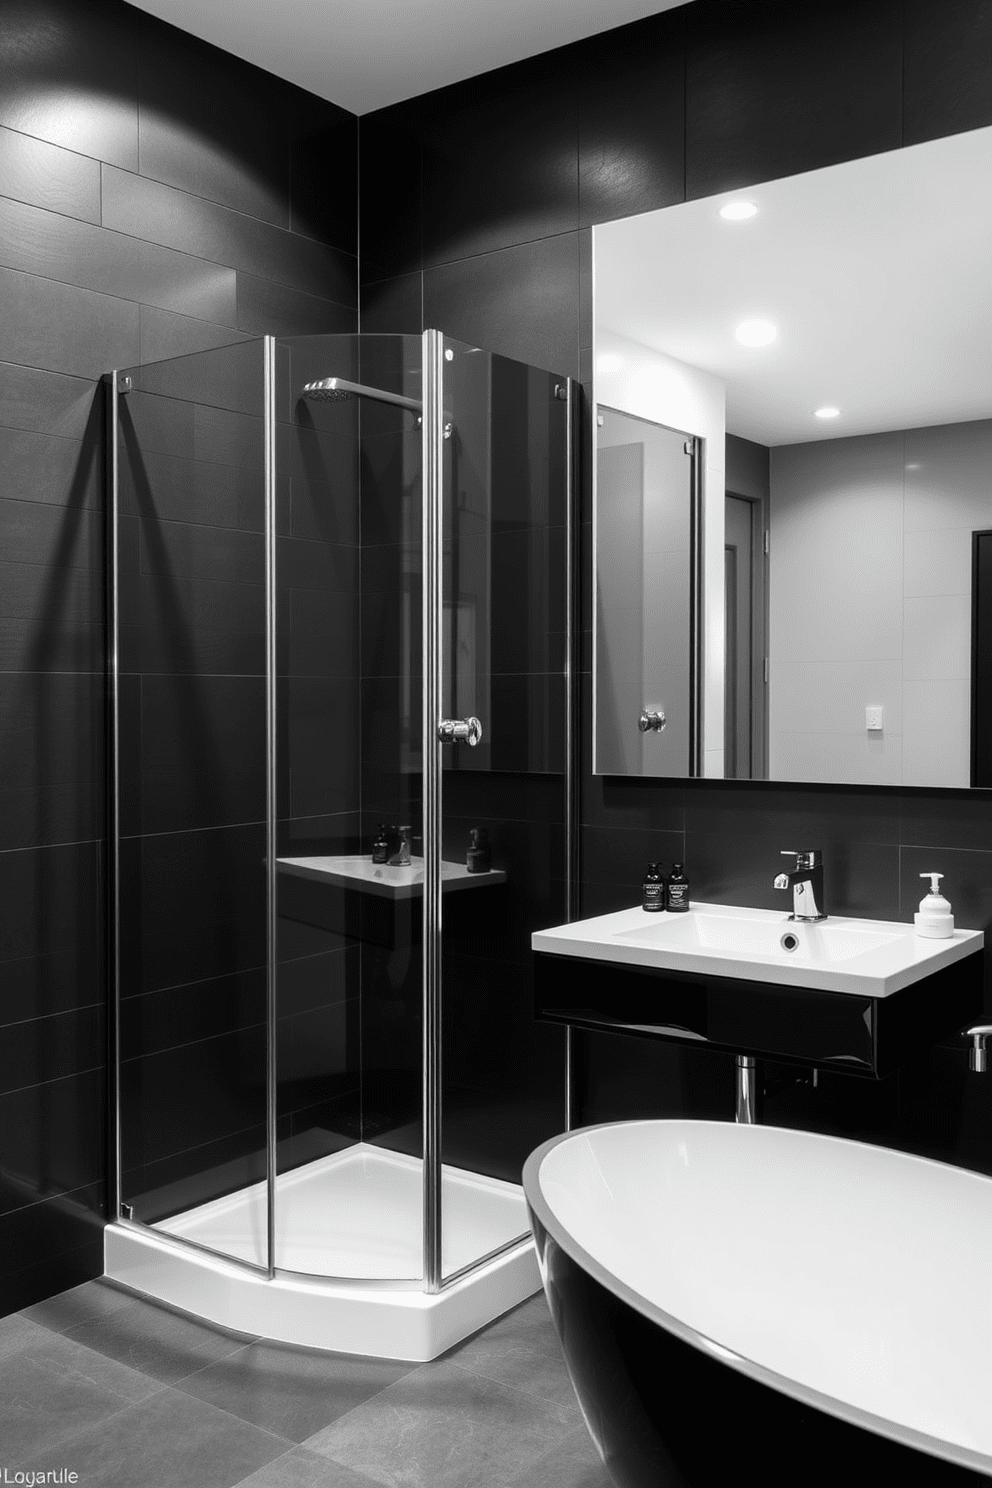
(756, 333)
(826, 413)
(738, 211)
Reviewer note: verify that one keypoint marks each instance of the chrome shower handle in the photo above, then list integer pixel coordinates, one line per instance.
(977, 1057)
(459, 731)
(652, 720)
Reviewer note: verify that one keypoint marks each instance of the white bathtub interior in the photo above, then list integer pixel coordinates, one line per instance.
(359, 1213)
(857, 1271)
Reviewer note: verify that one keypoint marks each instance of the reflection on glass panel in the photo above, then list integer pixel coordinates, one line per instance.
(503, 829)
(192, 767)
(348, 759)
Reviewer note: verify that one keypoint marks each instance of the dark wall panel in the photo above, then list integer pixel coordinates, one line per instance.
(522, 123)
(155, 195)
(521, 301)
(780, 87)
(631, 118)
(711, 96)
(948, 68)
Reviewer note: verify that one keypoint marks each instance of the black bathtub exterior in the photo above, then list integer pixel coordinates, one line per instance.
(664, 1414)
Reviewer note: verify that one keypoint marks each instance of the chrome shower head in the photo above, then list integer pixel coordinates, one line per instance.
(327, 391)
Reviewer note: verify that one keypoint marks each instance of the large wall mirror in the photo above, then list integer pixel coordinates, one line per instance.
(793, 496)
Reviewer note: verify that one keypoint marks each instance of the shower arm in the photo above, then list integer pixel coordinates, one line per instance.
(334, 388)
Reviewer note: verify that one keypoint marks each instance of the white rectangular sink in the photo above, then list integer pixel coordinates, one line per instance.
(872, 958)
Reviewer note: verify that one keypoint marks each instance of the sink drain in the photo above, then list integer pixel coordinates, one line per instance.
(789, 942)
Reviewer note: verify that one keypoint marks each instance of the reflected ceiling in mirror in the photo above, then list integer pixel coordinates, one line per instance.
(825, 339)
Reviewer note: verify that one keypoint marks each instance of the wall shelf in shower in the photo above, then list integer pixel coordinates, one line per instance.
(387, 882)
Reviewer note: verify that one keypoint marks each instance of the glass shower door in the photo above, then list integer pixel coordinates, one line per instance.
(188, 845)
(348, 1024)
(503, 454)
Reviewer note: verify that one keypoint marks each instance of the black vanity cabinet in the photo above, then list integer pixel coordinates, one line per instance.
(832, 1030)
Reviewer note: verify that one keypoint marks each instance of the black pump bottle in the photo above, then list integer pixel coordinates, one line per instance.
(678, 890)
(653, 890)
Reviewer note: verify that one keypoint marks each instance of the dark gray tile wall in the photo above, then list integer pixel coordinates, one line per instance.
(707, 97)
(156, 197)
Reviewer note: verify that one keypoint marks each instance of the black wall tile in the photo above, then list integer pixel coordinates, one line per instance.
(199, 111)
(322, 739)
(59, 180)
(52, 742)
(63, 328)
(323, 472)
(958, 818)
(323, 170)
(202, 752)
(163, 334)
(181, 1180)
(209, 882)
(947, 69)
(611, 800)
(184, 1098)
(38, 1233)
(305, 564)
(92, 258)
(269, 309)
(177, 550)
(311, 982)
(53, 1137)
(831, 815)
(39, 986)
(521, 121)
(391, 214)
(54, 899)
(621, 855)
(392, 306)
(631, 89)
(32, 532)
(43, 467)
(52, 1048)
(46, 402)
(160, 214)
(319, 636)
(67, 75)
(177, 1016)
(520, 302)
(774, 88)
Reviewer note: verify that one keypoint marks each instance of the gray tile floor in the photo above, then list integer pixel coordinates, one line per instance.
(130, 1394)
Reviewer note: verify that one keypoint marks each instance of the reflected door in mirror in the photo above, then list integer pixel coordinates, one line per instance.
(644, 591)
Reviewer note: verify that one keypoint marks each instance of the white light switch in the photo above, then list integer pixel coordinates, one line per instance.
(874, 720)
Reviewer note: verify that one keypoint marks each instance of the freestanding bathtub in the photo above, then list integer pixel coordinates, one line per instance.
(749, 1302)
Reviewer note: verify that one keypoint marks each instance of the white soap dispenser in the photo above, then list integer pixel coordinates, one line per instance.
(934, 918)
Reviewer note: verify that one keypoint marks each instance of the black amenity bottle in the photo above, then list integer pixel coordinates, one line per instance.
(653, 889)
(678, 890)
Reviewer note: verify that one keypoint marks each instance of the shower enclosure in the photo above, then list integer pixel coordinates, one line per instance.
(339, 601)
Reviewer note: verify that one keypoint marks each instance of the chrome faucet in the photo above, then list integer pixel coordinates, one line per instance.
(806, 883)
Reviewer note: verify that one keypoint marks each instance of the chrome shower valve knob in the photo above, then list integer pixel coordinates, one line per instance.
(652, 720)
(460, 731)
